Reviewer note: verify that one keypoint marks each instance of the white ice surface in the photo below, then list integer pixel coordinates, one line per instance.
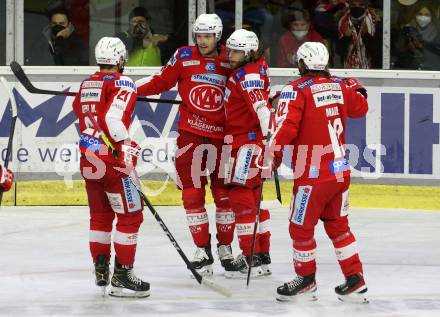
(46, 270)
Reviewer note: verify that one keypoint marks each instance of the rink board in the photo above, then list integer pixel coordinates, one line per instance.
(399, 138)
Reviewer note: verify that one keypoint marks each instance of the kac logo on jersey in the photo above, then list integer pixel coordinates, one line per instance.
(210, 67)
(206, 97)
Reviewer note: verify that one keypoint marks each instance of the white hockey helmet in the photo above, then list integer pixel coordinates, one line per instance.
(243, 40)
(110, 51)
(208, 23)
(314, 54)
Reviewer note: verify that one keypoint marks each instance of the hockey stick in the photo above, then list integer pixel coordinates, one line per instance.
(24, 80)
(278, 192)
(136, 182)
(11, 129)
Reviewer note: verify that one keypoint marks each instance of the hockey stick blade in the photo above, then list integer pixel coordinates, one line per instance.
(24, 80)
(216, 287)
(200, 279)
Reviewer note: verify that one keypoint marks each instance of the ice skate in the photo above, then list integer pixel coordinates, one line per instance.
(225, 256)
(238, 268)
(265, 261)
(102, 272)
(126, 284)
(202, 261)
(301, 288)
(353, 290)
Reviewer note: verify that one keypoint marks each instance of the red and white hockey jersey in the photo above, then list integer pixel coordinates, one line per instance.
(311, 115)
(110, 98)
(201, 83)
(247, 90)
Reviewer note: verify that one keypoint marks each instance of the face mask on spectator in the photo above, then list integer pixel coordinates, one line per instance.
(139, 30)
(56, 29)
(357, 12)
(299, 34)
(423, 20)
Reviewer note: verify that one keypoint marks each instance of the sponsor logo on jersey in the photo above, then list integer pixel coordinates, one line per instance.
(206, 97)
(325, 86)
(263, 70)
(240, 73)
(305, 84)
(210, 79)
(89, 143)
(190, 63)
(109, 77)
(252, 84)
(132, 197)
(332, 112)
(90, 95)
(242, 166)
(125, 83)
(288, 95)
(210, 67)
(339, 166)
(327, 98)
(92, 84)
(185, 53)
(301, 201)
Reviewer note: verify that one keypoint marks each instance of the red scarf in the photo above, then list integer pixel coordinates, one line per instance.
(356, 55)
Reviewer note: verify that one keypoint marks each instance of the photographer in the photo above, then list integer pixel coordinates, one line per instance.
(65, 45)
(142, 44)
(418, 45)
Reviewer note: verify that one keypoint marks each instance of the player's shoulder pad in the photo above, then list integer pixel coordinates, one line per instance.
(185, 52)
(126, 83)
(303, 83)
(109, 77)
(239, 73)
(288, 93)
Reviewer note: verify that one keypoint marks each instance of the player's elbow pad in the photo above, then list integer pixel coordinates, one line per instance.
(116, 127)
(263, 114)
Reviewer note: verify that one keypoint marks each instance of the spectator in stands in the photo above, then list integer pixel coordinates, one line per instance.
(360, 36)
(142, 44)
(299, 30)
(418, 45)
(65, 46)
(325, 20)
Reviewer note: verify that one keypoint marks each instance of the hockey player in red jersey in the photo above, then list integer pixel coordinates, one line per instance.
(311, 115)
(107, 98)
(247, 121)
(6, 178)
(200, 72)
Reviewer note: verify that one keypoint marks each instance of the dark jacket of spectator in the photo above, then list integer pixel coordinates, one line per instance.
(418, 44)
(67, 51)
